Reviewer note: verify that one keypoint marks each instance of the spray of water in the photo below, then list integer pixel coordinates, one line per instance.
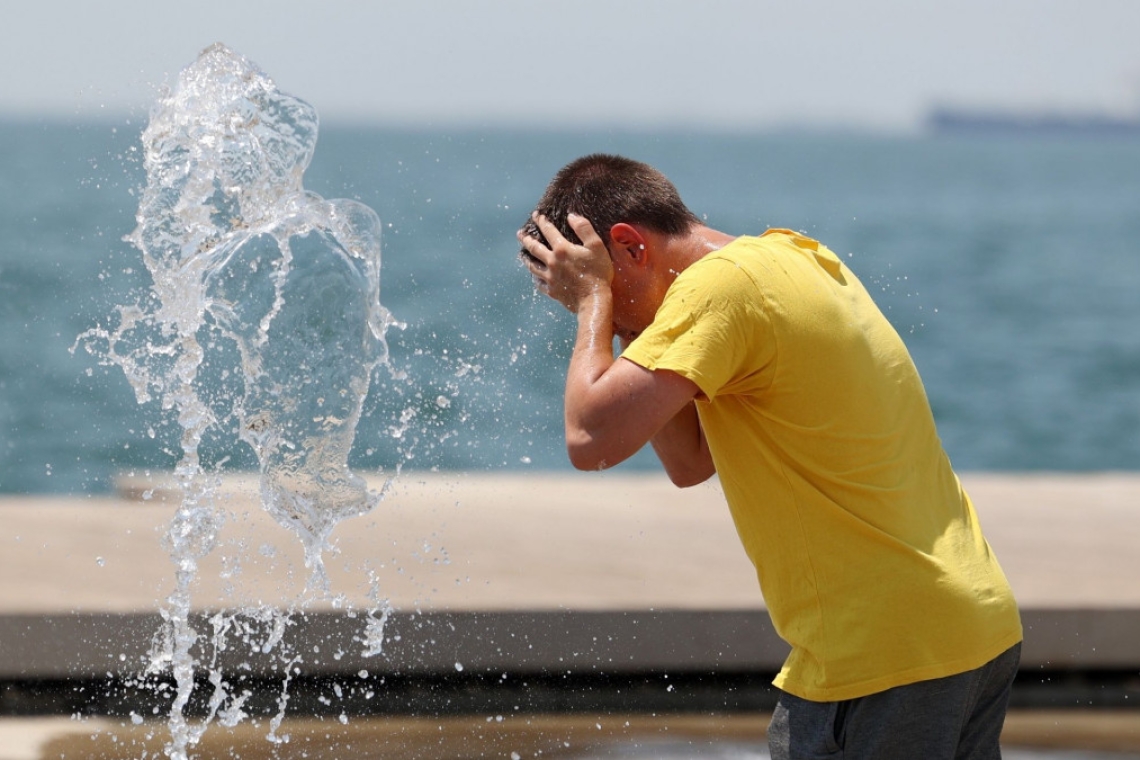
(251, 269)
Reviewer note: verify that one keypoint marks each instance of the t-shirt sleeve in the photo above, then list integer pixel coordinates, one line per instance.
(712, 329)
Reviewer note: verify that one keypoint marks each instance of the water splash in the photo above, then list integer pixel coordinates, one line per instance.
(272, 292)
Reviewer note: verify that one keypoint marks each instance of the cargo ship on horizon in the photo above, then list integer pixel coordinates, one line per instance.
(948, 120)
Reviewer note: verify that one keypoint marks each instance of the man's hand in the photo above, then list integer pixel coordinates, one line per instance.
(612, 408)
(567, 272)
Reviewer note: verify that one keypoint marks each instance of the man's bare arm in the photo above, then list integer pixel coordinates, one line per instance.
(613, 408)
(683, 450)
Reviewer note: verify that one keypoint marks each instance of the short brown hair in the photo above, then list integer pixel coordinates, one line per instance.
(609, 189)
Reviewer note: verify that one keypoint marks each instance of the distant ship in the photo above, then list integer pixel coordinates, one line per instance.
(956, 121)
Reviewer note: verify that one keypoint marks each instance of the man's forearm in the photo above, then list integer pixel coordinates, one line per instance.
(603, 423)
(683, 450)
(612, 409)
(591, 357)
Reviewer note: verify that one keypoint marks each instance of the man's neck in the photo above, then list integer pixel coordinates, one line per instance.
(685, 250)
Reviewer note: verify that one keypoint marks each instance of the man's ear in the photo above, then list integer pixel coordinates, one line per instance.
(628, 240)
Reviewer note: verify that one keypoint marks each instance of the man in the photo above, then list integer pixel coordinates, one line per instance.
(764, 360)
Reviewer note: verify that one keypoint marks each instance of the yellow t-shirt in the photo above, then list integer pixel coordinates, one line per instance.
(869, 553)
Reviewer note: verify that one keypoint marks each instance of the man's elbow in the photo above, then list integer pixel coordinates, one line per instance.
(687, 477)
(587, 458)
(589, 452)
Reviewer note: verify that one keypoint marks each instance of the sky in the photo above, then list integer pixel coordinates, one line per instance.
(713, 64)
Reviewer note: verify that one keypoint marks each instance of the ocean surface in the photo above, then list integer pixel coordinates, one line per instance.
(1011, 267)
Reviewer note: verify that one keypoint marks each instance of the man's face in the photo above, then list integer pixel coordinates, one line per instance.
(634, 297)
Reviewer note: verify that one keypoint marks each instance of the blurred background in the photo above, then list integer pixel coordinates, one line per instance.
(978, 166)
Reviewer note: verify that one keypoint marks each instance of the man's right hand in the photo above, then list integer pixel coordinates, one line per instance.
(567, 272)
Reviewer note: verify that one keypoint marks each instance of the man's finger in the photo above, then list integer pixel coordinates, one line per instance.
(534, 254)
(553, 236)
(584, 229)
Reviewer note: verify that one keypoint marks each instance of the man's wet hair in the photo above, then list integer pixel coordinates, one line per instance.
(608, 189)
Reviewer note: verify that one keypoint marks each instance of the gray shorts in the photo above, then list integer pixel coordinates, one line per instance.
(959, 717)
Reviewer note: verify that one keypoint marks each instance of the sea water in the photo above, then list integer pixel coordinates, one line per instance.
(262, 320)
(1009, 265)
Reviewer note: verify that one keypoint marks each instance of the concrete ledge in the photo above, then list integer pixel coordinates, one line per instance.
(85, 646)
(575, 541)
(1081, 639)
(95, 645)
(578, 573)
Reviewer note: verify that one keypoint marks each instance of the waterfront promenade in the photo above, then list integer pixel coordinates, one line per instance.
(570, 572)
(588, 541)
